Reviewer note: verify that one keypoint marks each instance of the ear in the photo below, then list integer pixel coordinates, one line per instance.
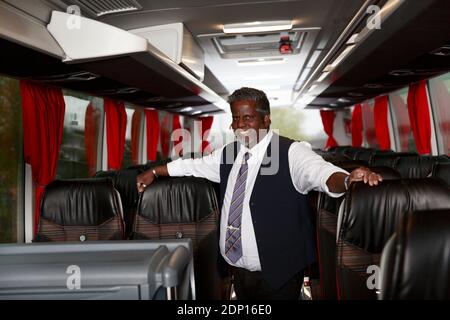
(267, 121)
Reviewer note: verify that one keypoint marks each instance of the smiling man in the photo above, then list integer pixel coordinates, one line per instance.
(265, 230)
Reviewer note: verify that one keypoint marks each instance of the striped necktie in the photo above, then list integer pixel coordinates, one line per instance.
(233, 245)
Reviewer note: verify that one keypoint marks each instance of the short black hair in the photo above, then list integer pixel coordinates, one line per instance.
(251, 94)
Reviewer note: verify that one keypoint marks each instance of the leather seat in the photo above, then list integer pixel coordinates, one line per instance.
(80, 210)
(351, 152)
(388, 159)
(415, 167)
(369, 218)
(366, 155)
(125, 183)
(442, 171)
(327, 216)
(185, 207)
(415, 262)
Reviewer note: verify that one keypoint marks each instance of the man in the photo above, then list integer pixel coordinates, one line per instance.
(265, 230)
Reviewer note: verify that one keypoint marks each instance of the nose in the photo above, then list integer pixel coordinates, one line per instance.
(242, 124)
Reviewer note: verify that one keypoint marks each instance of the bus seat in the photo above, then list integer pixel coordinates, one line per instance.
(125, 183)
(442, 171)
(350, 165)
(369, 218)
(338, 150)
(415, 262)
(388, 159)
(415, 167)
(327, 216)
(80, 210)
(184, 207)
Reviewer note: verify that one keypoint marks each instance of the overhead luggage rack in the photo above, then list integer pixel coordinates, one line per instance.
(133, 61)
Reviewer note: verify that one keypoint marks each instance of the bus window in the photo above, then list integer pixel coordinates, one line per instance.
(11, 161)
(83, 127)
(131, 151)
(402, 125)
(369, 124)
(439, 89)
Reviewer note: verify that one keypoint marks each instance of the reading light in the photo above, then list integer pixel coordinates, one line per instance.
(260, 61)
(257, 26)
(187, 109)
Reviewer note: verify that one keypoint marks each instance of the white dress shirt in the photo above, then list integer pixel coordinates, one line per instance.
(309, 171)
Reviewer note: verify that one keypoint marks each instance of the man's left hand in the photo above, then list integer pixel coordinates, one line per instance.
(364, 174)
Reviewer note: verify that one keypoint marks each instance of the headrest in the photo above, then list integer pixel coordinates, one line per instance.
(415, 263)
(388, 159)
(386, 172)
(366, 155)
(351, 152)
(441, 158)
(442, 171)
(350, 165)
(178, 200)
(125, 182)
(338, 149)
(414, 167)
(371, 214)
(87, 202)
(330, 157)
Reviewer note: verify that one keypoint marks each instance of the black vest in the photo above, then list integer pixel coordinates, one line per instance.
(281, 215)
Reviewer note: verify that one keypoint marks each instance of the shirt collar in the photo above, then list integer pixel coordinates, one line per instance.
(260, 147)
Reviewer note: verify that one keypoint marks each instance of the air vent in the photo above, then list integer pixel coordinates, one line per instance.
(100, 8)
(75, 76)
(408, 72)
(442, 52)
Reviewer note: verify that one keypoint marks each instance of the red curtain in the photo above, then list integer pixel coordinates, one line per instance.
(116, 125)
(152, 134)
(357, 126)
(91, 129)
(165, 136)
(328, 124)
(43, 111)
(178, 143)
(419, 116)
(206, 124)
(135, 129)
(380, 111)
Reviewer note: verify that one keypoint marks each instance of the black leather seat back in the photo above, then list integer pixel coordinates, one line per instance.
(415, 167)
(442, 171)
(367, 154)
(388, 159)
(415, 262)
(186, 207)
(370, 217)
(81, 210)
(327, 216)
(125, 183)
(351, 152)
(350, 165)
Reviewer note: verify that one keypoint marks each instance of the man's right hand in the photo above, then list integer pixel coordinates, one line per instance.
(144, 179)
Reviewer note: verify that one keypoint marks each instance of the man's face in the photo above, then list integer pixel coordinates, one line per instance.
(247, 122)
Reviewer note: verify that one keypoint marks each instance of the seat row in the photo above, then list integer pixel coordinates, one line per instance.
(353, 230)
(110, 208)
